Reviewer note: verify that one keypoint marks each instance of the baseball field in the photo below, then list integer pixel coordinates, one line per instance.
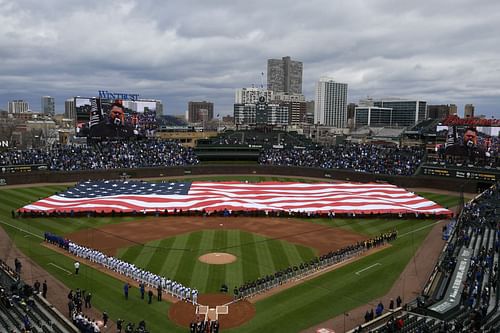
(172, 247)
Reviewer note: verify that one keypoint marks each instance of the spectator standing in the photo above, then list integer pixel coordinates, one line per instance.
(37, 286)
(399, 301)
(44, 289)
(18, 266)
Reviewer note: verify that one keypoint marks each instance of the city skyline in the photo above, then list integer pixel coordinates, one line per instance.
(440, 52)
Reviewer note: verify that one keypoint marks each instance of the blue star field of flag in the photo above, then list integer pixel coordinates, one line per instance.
(93, 189)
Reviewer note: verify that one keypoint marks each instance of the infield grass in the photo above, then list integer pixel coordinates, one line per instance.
(289, 311)
(177, 257)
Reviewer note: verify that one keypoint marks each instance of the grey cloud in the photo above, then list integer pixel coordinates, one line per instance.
(442, 51)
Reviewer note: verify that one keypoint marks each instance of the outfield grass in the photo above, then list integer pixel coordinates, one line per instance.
(289, 311)
(177, 257)
(447, 201)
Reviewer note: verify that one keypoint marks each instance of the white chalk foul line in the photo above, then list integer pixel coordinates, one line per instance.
(418, 229)
(25, 231)
(57, 266)
(367, 268)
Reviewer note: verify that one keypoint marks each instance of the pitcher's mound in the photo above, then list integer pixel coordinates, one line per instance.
(217, 258)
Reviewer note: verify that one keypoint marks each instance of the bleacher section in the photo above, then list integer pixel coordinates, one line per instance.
(246, 145)
(462, 294)
(21, 308)
(262, 138)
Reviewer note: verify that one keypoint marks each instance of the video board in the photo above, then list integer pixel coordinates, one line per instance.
(95, 118)
(484, 138)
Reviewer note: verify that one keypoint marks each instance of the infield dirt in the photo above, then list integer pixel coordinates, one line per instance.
(110, 238)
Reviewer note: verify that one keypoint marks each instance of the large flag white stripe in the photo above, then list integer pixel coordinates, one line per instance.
(198, 203)
(80, 206)
(327, 208)
(260, 198)
(296, 197)
(294, 189)
(236, 205)
(296, 193)
(285, 185)
(55, 200)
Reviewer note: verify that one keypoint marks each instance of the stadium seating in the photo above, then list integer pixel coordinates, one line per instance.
(19, 305)
(357, 157)
(478, 231)
(263, 138)
(109, 155)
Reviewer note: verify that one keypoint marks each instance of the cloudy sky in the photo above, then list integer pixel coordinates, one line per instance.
(442, 51)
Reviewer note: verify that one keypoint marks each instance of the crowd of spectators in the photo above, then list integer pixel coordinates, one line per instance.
(298, 271)
(103, 155)
(482, 276)
(358, 157)
(20, 307)
(477, 228)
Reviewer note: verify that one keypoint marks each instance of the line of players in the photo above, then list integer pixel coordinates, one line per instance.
(129, 270)
(296, 272)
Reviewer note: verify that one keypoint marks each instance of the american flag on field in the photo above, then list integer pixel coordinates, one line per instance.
(129, 196)
(95, 113)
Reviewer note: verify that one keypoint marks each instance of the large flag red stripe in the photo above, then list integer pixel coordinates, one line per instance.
(217, 205)
(298, 197)
(296, 187)
(135, 203)
(193, 199)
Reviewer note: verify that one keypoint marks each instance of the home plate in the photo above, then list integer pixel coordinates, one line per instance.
(324, 330)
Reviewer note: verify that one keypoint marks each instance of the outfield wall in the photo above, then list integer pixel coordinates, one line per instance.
(34, 177)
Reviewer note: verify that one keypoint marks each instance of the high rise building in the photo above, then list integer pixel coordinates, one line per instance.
(284, 75)
(453, 109)
(404, 112)
(372, 116)
(18, 106)
(296, 112)
(310, 112)
(331, 103)
(69, 109)
(441, 111)
(351, 109)
(469, 111)
(159, 109)
(251, 95)
(48, 105)
(200, 111)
